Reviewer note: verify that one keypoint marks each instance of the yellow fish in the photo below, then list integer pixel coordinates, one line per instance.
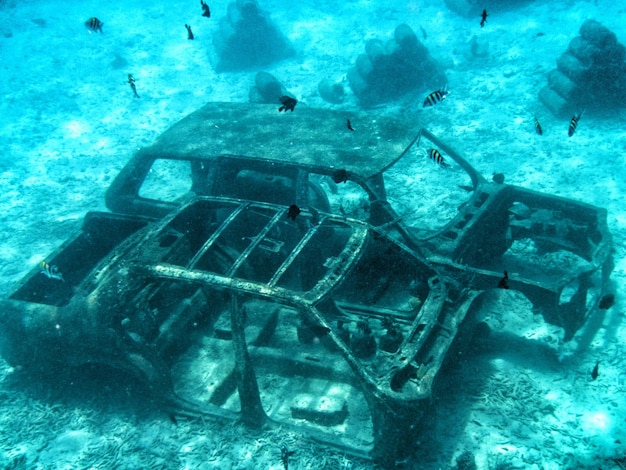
(52, 272)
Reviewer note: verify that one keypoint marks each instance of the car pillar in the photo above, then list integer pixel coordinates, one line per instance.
(252, 412)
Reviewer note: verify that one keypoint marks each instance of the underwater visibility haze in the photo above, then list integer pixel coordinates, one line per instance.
(264, 234)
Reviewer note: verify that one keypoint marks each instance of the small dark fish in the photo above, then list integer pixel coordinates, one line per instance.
(51, 272)
(293, 212)
(172, 418)
(436, 156)
(350, 125)
(594, 371)
(189, 32)
(340, 176)
(504, 282)
(606, 302)
(483, 17)
(498, 178)
(538, 128)
(288, 103)
(94, 25)
(131, 82)
(206, 11)
(285, 453)
(424, 35)
(435, 97)
(573, 123)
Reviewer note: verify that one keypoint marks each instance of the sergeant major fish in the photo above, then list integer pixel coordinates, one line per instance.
(436, 156)
(573, 123)
(131, 82)
(51, 272)
(436, 97)
(94, 25)
(538, 128)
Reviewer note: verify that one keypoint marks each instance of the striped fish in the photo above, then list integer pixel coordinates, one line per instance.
(436, 156)
(131, 82)
(573, 123)
(94, 25)
(436, 97)
(51, 272)
(538, 128)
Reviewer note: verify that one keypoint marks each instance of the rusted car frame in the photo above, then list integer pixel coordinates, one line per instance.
(335, 322)
(474, 244)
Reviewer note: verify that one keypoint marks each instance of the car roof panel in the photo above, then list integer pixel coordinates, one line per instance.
(307, 136)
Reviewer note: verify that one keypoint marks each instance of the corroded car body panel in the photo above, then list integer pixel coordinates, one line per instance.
(336, 322)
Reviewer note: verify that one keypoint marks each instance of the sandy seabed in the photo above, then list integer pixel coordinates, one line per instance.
(69, 122)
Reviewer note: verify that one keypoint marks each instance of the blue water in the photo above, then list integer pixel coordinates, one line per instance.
(69, 121)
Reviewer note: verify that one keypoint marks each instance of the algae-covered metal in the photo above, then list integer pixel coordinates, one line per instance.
(333, 321)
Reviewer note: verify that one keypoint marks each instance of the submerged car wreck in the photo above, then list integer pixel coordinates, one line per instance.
(333, 321)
